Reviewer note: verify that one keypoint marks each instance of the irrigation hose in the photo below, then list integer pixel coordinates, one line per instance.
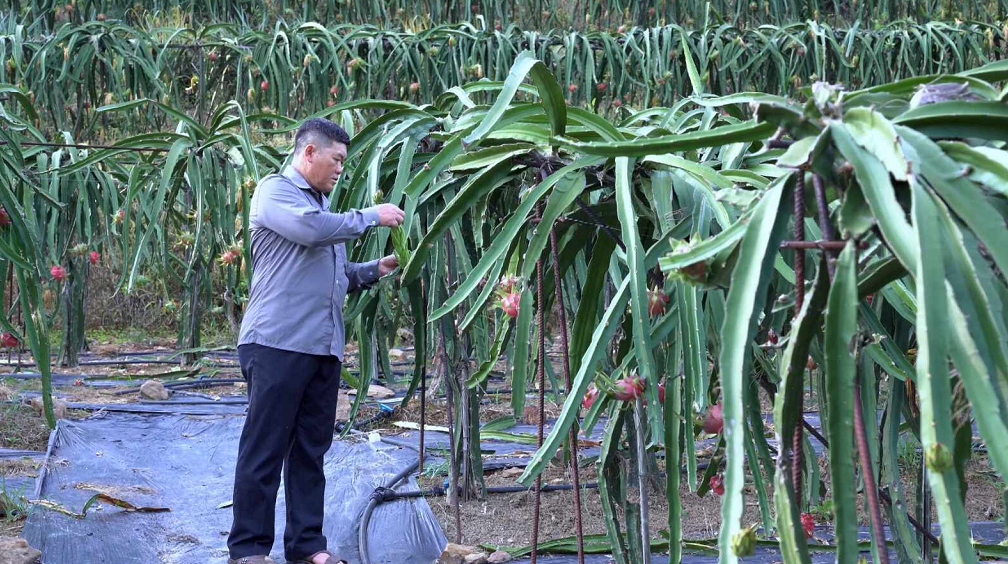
(184, 384)
(375, 499)
(385, 494)
(383, 413)
(422, 389)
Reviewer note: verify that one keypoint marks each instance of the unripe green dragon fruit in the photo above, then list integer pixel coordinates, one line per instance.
(938, 458)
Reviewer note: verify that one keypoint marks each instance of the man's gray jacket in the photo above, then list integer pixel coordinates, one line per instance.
(300, 272)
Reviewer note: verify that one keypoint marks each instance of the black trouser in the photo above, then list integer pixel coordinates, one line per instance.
(290, 421)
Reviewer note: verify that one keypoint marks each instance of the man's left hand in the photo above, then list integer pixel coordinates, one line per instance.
(387, 264)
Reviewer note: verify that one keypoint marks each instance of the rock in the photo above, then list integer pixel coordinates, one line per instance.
(405, 336)
(513, 472)
(59, 407)
(376, 391)
(530, 414)
(475, 558)
(342, 407)
(379, 392)
(499, 557)
(17, 551)
(523, 499)
(397, 355)
(153, 390)
(455, 553)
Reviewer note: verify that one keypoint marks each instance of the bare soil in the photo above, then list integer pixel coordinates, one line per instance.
(984, 500)
(493, 520)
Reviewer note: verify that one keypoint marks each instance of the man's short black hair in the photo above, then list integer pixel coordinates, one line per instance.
(319, 132)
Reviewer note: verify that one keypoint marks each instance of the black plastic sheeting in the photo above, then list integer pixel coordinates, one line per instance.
(19, 453)
(179, 404)
(17, 484)
(58, 378)
(187, 464)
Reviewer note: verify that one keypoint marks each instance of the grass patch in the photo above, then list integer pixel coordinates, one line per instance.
(211, 335)
(22, 428)
(118, 336)
(13, 509)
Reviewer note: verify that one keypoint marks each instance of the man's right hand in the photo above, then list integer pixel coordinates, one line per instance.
(389, 215)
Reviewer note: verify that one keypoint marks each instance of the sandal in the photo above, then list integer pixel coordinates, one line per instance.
(332, 558)
(257, 559)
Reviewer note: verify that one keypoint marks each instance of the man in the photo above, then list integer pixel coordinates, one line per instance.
(290, 347)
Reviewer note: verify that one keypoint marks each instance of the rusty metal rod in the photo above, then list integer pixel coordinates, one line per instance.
(882, 493)
(449, 379)
(871, 490)
(453, 461)
(798, 244)
(797, 443)
(923, 507)
(423, 417)
(558, 287)
(824, 222)
(860, 434)
(828, 233)
(423, 385)
(641, 452)
(541, 366)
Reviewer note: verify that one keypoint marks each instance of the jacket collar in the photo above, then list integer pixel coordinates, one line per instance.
(294, 176)
(292, 173)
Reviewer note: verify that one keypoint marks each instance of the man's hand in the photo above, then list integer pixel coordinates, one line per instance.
(389, 215)
(387, 264)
